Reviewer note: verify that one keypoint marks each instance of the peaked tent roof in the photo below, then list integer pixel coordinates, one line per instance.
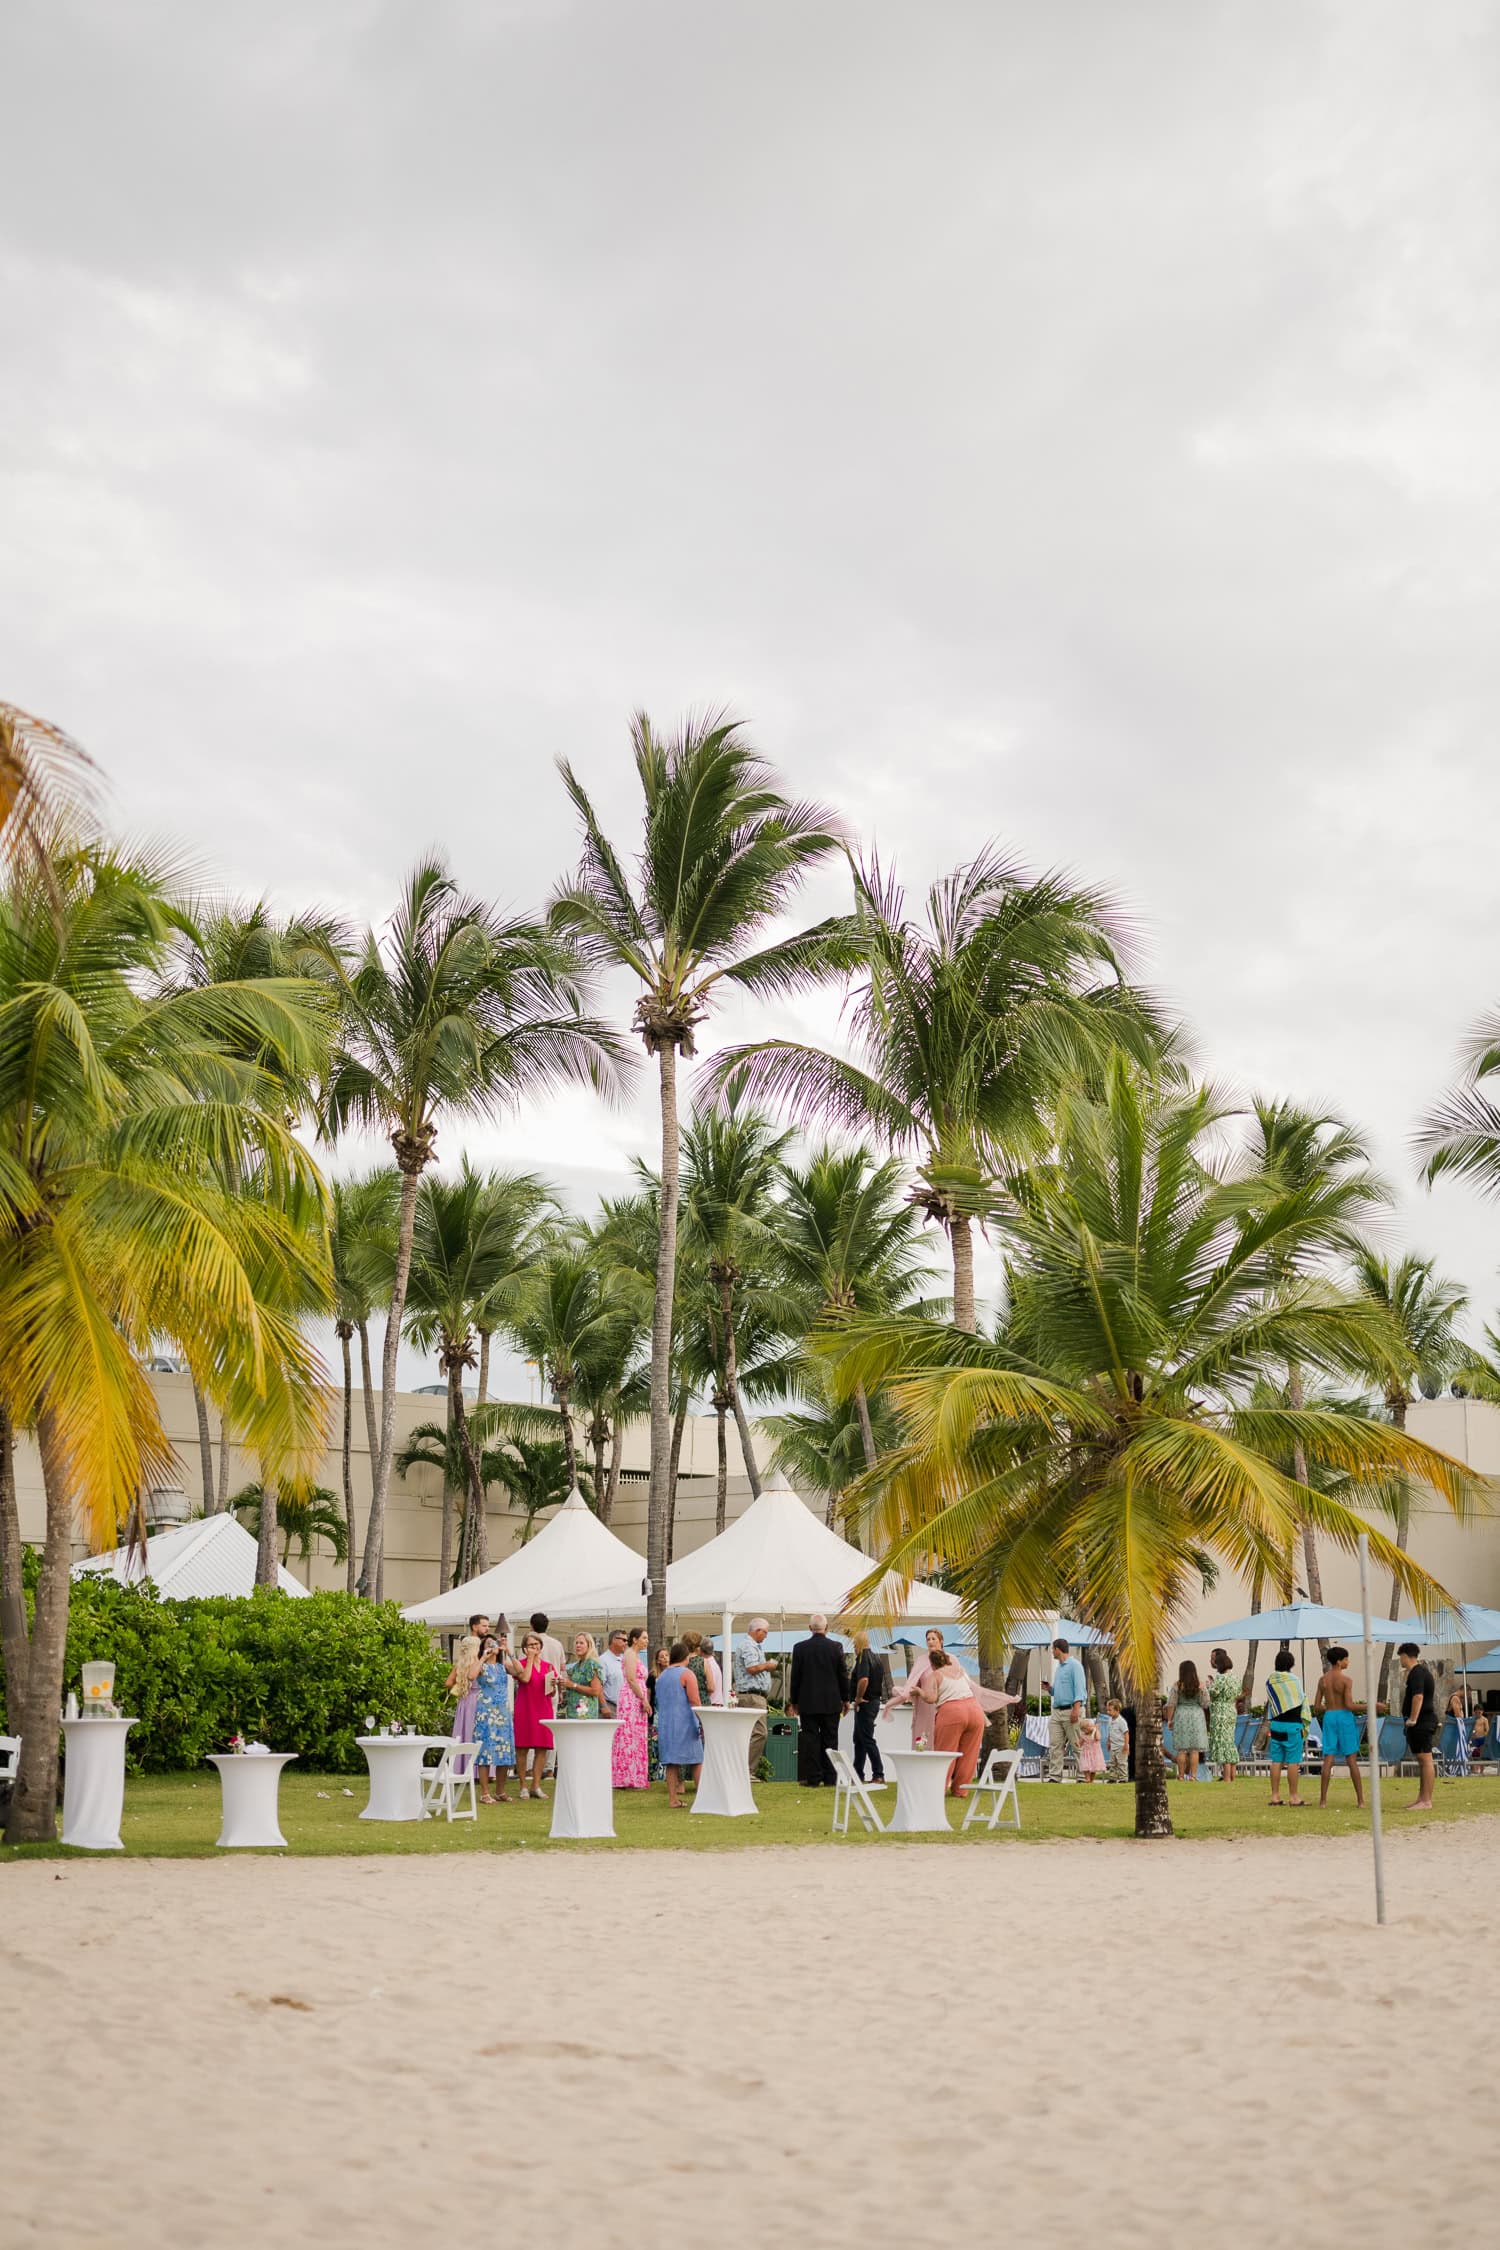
(779, 1558)
(212, 1555)
(574, 1567)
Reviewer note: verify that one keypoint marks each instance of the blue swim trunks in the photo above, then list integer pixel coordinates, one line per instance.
(1340, 1734)
(1287, 1744)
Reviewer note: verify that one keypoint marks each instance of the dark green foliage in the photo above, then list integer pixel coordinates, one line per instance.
(298, 1675)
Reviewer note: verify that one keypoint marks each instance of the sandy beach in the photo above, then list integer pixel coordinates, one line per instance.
(1141, 2040)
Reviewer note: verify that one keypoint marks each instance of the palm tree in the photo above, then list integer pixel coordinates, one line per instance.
(572, 1312)
(124, 1106)
(304, 1512)
(1325, 1164)
(613, 1386)
(846, 1241)
(449, 1011)
(723, 854)
(1111, 1441)
(473, 1245)
(962, 1029)
(47, 788)
(536, 1475)
(1423, 1312)
(731, 1165)
(493, 1429)
(365, 1208)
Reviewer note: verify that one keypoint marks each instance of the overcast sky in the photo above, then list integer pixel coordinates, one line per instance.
(1068, 424)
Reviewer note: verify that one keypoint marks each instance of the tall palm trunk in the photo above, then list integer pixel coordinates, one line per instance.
(478, 1541)
(205, 1449)
(265, 1548)
(598, 1433)
(1403, 1538)
(616, 1454)
(484, 1367)
(1257, 1589)
(674, 1457)
(732, 1383)
(33, 1804)
(449, 1521)
(663, 1494)
(351, 1560)
(562, 1395)
(866, 1432)
(372, 1435)
(221, 1500)
(412, 1155)
(721, 1500)
(1152, 1816)
(965, 1309)
(15, 1649)
(1295, 1399)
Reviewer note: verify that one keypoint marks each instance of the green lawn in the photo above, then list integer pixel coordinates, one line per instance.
(176, 1816)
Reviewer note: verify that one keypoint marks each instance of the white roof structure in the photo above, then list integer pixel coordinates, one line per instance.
(574, 1567)
(779, 1558)
(214, 1555)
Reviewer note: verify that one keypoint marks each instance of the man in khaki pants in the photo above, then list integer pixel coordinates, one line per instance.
(1069, 1689)
(752, 1676)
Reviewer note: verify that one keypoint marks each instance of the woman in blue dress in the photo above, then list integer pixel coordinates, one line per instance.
(679, 1731)
(494, 1730)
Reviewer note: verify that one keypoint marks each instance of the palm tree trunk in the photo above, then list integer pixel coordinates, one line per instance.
(866, 1432)
(616, 1453)
(965, 1312)
(1152, 1817)
(351, 1560)
(732, 1385)
(598, 1432)
(372, 1576)
(1015, 1684)
(562, 1395)
(679, 1424)
(33, 1804)
(265, 1550)
(446, 1577)
(15, 1648)
(721, 1501)
(479, 1530)
(221, 1500)
(663, 1493)
(747, 1446)
(1295, 1400)
(372, 1435)
(1403, 1537)
(205, 1449)
(484, 1367)
(1257, 1589)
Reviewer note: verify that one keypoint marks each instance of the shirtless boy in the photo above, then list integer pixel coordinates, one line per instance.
(1334, 1707)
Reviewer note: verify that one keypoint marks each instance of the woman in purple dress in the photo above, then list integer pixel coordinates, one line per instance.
(463, 1682)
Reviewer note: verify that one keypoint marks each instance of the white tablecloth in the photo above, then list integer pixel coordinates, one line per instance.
(724, 1784)
(250, 1786)
(94, 1783)
(583, 1800)
(395, 1763)
(921, 1779)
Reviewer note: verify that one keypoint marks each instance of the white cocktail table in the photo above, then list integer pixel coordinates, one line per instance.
(250, 1820)
(583, 1799)
(94, 1783)
(921, 1779)
(724, 1783)
(395, 1763)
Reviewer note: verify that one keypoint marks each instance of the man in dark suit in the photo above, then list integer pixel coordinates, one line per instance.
(818, 1700)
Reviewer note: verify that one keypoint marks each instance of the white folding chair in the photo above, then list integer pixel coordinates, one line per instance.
(442, 1786)
(850, 1790)
(10, 1758)
(995, 1784)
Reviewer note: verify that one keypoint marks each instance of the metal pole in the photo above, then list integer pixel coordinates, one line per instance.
(1372, 1728)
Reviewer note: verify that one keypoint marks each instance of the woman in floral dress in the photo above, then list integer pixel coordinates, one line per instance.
(1223, 1703)
(493, 1731)
(463, 1685)
(582, 1689)
(630, 1757)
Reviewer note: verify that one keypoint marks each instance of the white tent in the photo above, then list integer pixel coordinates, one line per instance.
(215, 1555)
(777, 1557)
(574, 1567)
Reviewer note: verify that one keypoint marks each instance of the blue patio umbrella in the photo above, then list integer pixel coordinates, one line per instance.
(1300, 1621)
(1489, 1662)
(1461, 1627)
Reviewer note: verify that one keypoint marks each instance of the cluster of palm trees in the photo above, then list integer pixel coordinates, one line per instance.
(1198, 1356)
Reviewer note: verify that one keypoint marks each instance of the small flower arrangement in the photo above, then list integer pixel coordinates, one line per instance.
(237, 1745)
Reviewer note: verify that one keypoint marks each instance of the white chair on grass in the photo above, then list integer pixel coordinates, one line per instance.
(10, 1759)
(850, 1790)
(989, 1791)
(443, 1785)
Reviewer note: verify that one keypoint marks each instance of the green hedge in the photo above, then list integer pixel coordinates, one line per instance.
(298, 1675)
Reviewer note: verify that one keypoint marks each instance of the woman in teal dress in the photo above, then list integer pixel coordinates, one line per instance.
(494, 1731)
(582, 1694)
(1188, 1721)
(1223, 1705)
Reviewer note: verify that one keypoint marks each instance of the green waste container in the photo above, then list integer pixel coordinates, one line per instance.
(781, 1746)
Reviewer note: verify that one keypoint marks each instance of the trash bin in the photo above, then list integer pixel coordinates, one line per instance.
(781, 1746)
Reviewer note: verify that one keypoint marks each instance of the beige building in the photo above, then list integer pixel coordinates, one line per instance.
(1464, 1557)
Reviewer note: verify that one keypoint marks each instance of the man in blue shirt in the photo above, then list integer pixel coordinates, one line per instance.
(1070, 1700)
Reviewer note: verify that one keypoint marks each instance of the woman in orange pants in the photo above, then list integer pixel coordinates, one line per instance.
(958, 1722)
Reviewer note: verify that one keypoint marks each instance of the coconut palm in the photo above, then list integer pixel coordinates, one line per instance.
(47, 787)
(722, 855)
(1111, 1440)
(962, 1029)
(536, 1475)
(365, 1209)
(1460, 1139)
(305, 1513)
(475, 1239)
(493, 1429)
(449, 1011)
(731, 1163)
(574, 1311)
(1325, 1164)
(123, 1109)
(1423, 1311)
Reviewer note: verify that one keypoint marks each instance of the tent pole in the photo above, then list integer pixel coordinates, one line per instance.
(726, 1657)
(1372, 1727)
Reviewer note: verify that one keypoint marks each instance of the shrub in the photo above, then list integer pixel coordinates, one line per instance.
(299, 1675)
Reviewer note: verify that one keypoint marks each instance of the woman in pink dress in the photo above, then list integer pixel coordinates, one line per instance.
(630, 1756)
(536, 1684)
